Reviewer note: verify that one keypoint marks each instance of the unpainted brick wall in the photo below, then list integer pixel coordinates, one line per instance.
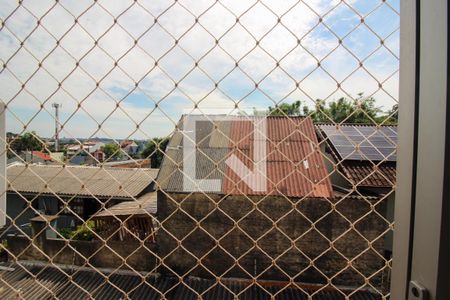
(301, 239)
(113, 254)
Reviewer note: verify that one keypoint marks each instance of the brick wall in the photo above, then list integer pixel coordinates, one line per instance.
(283, 232)
(114, 254)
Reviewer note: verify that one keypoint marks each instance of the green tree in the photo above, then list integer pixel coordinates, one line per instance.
(358, 111)
(29, 141)
(391, 116)
(112, 151)
(154, 150)
(319, 113)
(83, 232)
(340, 110)
(286, 109)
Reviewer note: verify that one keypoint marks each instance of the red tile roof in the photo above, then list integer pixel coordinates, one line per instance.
(41, 155)
(366, 174)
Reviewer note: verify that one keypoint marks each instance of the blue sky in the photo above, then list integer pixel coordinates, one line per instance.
(146, 93)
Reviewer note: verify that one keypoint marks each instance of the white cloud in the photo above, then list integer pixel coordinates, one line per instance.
(136, 73)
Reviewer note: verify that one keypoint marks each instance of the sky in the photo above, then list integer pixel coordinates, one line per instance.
(129, 69)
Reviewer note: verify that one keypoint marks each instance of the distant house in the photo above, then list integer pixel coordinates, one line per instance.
(99, 155)
(35, 157)
(88, 153)
(72, 149)
(57, 156)
(92, 146)
(73, 193)
(292, 223)
(78, 160)
(86, 147)
(365, 159)
(129, 147)
(141, 146)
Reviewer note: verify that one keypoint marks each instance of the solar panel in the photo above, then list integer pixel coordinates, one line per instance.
(359, 142)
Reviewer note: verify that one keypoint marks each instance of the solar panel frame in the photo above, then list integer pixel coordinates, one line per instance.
(357, 138)
(340, 140)
(377, 144)
(346, 150)
(359, 142)
(388, 131)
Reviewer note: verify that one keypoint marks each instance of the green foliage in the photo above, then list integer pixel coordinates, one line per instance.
(358, 111)
(82, 232)
(50, 149)
(29, 141)
(392, 115)
(361, 110)
(112, 151)
(285, 109)
(319, 114)
(3, 246)
(154, 150)
(65, 232)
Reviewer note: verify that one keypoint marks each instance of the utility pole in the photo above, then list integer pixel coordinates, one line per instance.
(56, 106)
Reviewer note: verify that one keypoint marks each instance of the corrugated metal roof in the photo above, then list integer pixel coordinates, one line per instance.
(80, 181)
(295, 166)
(213, 149)
(19, 283)
(171, 176)
(362, 172)
(143, 205)
(245, 290)
(366, 174)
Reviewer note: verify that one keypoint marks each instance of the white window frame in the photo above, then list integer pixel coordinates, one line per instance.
(421, 236)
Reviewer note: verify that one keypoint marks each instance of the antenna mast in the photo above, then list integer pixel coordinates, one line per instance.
(56, 106)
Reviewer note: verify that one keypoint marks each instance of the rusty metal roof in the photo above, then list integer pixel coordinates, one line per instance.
(295, 166)
(40, 281)
(79, 181)
(366, 174)
(143, 205)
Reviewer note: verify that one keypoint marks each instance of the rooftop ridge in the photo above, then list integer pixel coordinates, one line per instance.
(21, 164)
